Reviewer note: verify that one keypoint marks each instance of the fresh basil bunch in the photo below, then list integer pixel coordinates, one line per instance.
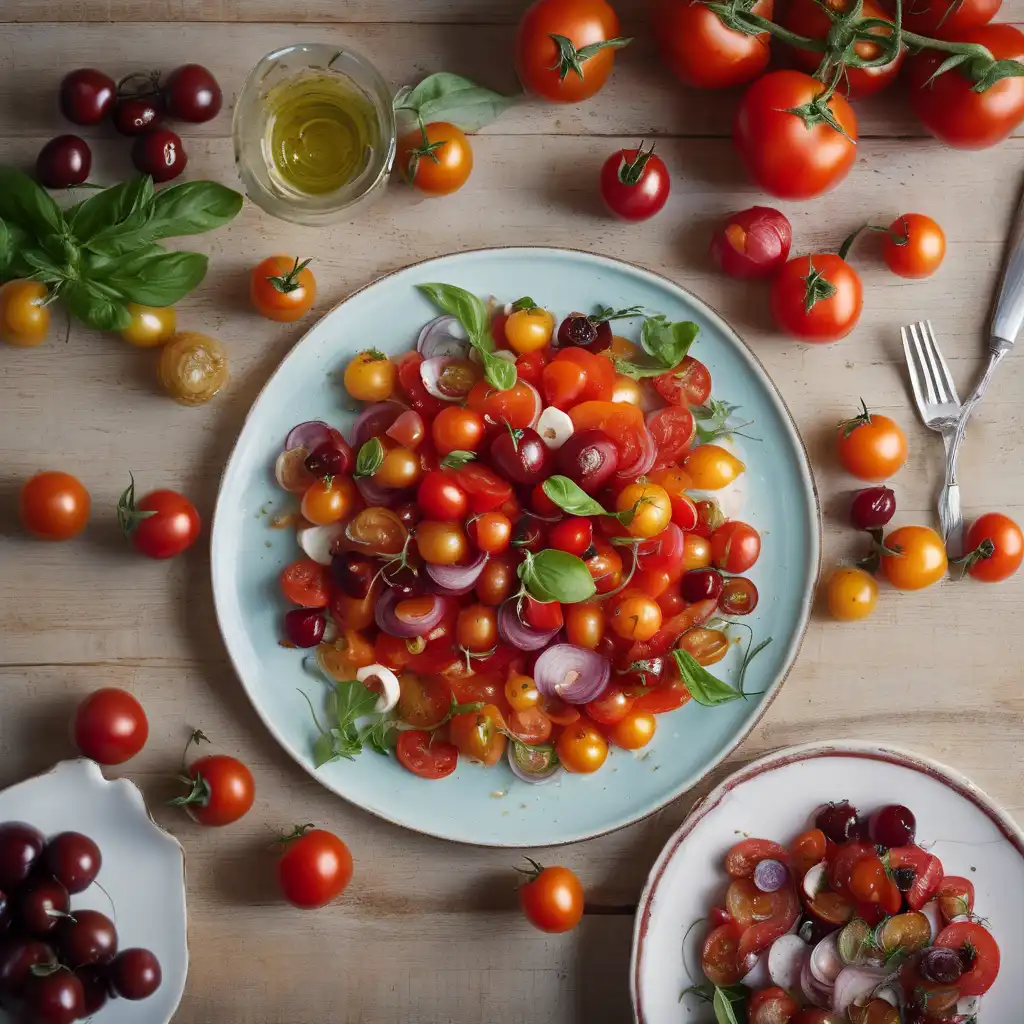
(104, 252)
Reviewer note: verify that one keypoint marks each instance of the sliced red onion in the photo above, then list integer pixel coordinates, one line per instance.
(826, 963)
(643, 463)
(573, 674)
(853, 984)
(443, 336)
(309, 435)
(532, 764)
(388, 620)
(448, 377)
(786, 959)
(816, 880)
(456, 580)
(817, 993)
(376, 496)
(770, 876)
(514, 631)
(373, 421)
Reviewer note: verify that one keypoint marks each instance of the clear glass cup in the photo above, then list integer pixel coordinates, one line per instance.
(253, 123)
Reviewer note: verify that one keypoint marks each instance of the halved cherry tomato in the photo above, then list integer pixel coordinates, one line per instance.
(832, 908)
(746, 904)
(785, 911)
(530, 726)
(979, 949)
(478, 734)
(841, 865)
(694, 615)
(307, 583)
(955, 896)
(707, 646)
(622, 422)
(423, 703)
(688, 384)
(672, 430)
(424, 755)
(772, 1006)
(807, 850)
(720, 958)
(611, 706)
(412, 384)
(487, 491)
(558, 711)
(745, 855)
(927, 873)
(516, 406)
(598, 372)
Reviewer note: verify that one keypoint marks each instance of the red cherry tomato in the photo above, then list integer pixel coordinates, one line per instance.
(995, 548)
(817, 298)
(688, 384)
(440, 497)
(223, 789)
(574, 535)
(424, 755)
(487, 491)
(599, 385)
(976, 945)
(315, 868)
(927, 873)
(735, 547)
(110, 726)
(745, 855)
(307, 583)
(412, 384)
(161, 525)
(672, 430)
(634, 183)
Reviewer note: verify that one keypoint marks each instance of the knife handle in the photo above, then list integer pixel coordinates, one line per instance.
(1008, 317)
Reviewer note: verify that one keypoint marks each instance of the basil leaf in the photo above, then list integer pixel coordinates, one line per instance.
(192, 208)
(457, 459)
(466, 307)
(45, 268)
(28, 205)
(323, 750)
(157, 278)
(451, 98)
(705, 688)
(524, 303)
(381, 735)
(90, 304)
(571, 498)
(667, 342)
(370, 458)
(13, 242)
(639, 371)
(499, 373)
(553, 575)
(730, 1005)
(6, 247)
(116, 211)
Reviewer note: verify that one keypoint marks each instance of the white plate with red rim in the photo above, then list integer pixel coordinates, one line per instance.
(773, 798)
(141, 883)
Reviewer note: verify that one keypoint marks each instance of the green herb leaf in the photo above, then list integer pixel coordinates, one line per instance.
(193, 207)
(152, 277)
(457, 459)
(380, 735)
(323, 750)
(571, 498)
(605, 314)
(13, 241)
(370, 458)
(28, 205)
(553, 575)
(730, 1004)
(524, 303)
(712, 422)
(466, 307)
(452, 98)
(705, 688)
(499, 373)
(667, 342)
(115, 221)
(44, 266)
(455, 708)
(92, 306)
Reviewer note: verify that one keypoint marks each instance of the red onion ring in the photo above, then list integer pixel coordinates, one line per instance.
(309, 435)
(387, 618)
(514, 631)
(373, 421)
(534, 778)
(643, 463)
(432, 370)
(376, 496)
(436, 339)
(456, 580)
(573, 674)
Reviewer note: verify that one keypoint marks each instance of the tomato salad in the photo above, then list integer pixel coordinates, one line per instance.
(852, 923)
(516, 553)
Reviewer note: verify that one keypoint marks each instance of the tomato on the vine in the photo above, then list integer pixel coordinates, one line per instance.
(995, 548)
(787, 156)
(702, 51)
(54, 506)
(946, 19)
(565, 49)
(162, 524)
(817, 298)
(634, 183)
(282, 288)
(552, 898)
(314, 869)
(913, 246)
(437, 158)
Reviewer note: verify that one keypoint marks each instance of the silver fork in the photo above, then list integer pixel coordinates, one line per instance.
(939, 406)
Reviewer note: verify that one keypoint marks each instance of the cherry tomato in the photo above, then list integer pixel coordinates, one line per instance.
(696, 552)
(529, 330)
(634, 731)
(772, 1006)
(370, 377)
(516, 406)
(807, 18)
(437, 159)
(581, 748)
(785, 156)
(307, 583)
(921, 560)
(554, 71)
(720, 956)
(408, 430)
(424, 755)
(328, 500)
(611, 706)
(956, 897)
(702, 52)
(530, 726)
(443, 543)
(151, 326)
(752, 243)
(24, 315)
(927, 870)
(223, 790)
(584, 625)
(574, 535)
(487, 491)
(871, 446)
(478, 735)
(441, 498)
(946, 19)
(491, 532)
(653, 510)
(87, 95)
(712, 467)
(817, 298)
(457, 429)
(64, 162)
(192, 94)
(735, 547)
(807, 850)
(636, 618)
(110, 726)
(412, 384)
(477, 628)
(758, 937)
(688, 384)
(995, 548)
(530, 366)
(634, 183)
(422, 703)
(344, 656)
(744, 856)
(497, 581)
(282, 288)
(192, 368)
(521, 692)
(162, 524)
(869, 882)
(401, 468)
(54, 506)
(948, 105)
(672, 430)
(552, 899)
(913, 246)
(314, 869)
(160, 154)
(668, 695)
(976, 945)
(850, 594)
(708, 646)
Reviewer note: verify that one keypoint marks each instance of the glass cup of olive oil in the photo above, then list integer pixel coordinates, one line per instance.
(314, 133)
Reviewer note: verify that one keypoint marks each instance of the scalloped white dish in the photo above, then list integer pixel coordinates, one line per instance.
(143, 872)
(772, 799)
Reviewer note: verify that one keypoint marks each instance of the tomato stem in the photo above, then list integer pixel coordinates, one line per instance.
(289, 282)
(571, 59)
(297, 832)
(631, 171)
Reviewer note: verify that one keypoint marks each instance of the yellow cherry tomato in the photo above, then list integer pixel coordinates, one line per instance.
(584, 625)
(921, 560)
(193, 367)
(711, 467)
(441, 543)
(581, 748)
(24, 319)
(623, 348)
(627, 390)
(151, 326)
(528, 330)
(521, 692)
(370, 377)
(696, 552)
(400, 468)
(328, 500)
(850, 594)
(354, 613)
(636, 618)
(653, 509)
(672, 478)
(634, 731)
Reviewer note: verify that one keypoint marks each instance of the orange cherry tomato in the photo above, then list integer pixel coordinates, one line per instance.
(457, 429)
(636, 618)
(552, 899)
(995, 548)
(521, 692)
(478, 734)
(491, 532)
(54, 506)
(871, 446)
(282, 288)
(584, 625)
(436, 159)
(914, 246)
(636, 730)
(921, 560)
(328, 500)
(581, 748)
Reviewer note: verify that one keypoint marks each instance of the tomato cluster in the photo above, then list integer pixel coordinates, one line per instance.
(421, 536)
(849, 893)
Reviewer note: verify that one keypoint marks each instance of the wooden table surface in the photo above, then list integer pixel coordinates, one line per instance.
(428, 931)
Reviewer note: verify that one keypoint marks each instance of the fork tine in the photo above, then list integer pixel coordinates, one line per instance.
(922, 364)
(915, 379)
(948, 377)
(931, 351)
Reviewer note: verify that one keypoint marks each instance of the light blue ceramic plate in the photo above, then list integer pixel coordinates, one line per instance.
(490, 806)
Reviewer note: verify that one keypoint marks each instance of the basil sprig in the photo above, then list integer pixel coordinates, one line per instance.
(452, 98)
(471, 312)
(347, 703)
(370, 458)
(571, 498)
(708, 689)
(104, 252)
(553, 575)
(666, 343)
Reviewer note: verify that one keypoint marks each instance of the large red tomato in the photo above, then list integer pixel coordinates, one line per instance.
(700, 50)
(787, 156)
(817, 298)
(810, 18)
(949, 107)
(560, 73)
(946, 19)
